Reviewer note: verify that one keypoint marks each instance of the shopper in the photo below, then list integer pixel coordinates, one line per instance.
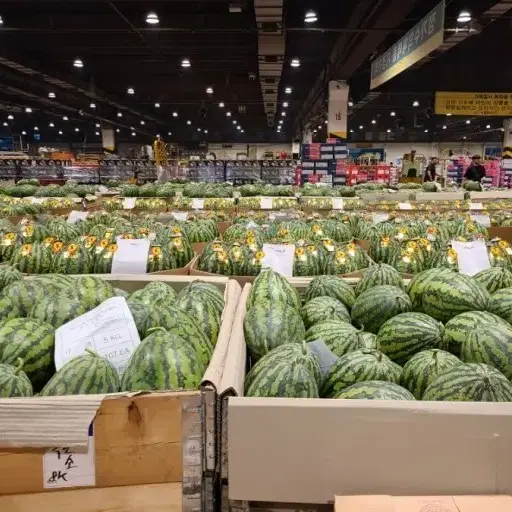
(430, 171)
(475, 171)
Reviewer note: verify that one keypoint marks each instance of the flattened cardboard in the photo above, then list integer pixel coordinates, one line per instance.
(278, 453)
(504, 233)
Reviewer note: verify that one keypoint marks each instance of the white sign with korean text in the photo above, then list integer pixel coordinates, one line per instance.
(266, 203)
(131, 256)
(472, 257)
(485, 220)
(129, 203)
(76, 216)
(279, 257)
(197, 204)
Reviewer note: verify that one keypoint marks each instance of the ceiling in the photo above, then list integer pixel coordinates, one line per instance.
(40, 40)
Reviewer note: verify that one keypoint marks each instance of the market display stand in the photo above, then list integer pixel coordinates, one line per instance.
(152, 451)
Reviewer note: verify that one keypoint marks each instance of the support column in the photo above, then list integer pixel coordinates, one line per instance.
(108, 137)
(337, 120)
(507, 134)
(307, 136)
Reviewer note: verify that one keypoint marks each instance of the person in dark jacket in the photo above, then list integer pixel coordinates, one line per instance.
(430, 171)
(475, 171)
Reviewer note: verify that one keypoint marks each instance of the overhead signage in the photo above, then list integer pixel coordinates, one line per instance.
(474, 103)
(421, 40)
(338, 109)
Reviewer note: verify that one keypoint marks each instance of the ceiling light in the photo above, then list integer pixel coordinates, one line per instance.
(464, 17)
(350, 103)
(468, 121)
(288, 90)
(221, 104)
(488, 126)
(310, 17)
(97, 133)
(65, 118)
(60, 133)
(28, 110)
(157, 105)
(36, 129)
(185, 63)
(169, 133)
(242, 131)
(97, 125)
(209, 90)
(77, 129)
(130, 90)
(1, 20)
(199, 129)
(283, 114)
(119, 114)
(374, 122)
(464, 137)
(448, 114)
(78, 63)
(392, 113)
(319, 126)
(281, 122)
(234, 122)
(189, 122)
(132, 128)
(6, 124)
(152, 18)
(175, 114)
(285, 104)
(92, 105)
(51, 125)
(361, 127)
(326, 121)
(51, 95)
(142, 123)
(444, 127)
(426, 131)
(23, 132)
(206, 131)
(10, 117)
(314, 131)
(416, 103)
(157, 135)
(133, 134)
(238, 127)
(503, 129)
(118, 130)
(351, 131)
(388, 130)
(228, 114)
(295, 63)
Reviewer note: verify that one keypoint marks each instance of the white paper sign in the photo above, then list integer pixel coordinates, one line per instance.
(197, 204)
(485, 220)
(337, 203)
(472, 257)
(102, 189)
(109, 330)
(62, 467)
(131, 256)
(476, 206)
(129, 203)
(266, 203)
(251, 225)
(405, 206)
(380, 217)
(180, 215)
(279, 257)
(76, 216)
(236, 194)
(38, 200)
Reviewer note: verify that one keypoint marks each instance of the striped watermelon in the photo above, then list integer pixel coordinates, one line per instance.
(140, 313)
(383, 249)
(378, 275)
(23, 295)
(331, 286)
(87, 374)
(375, 390)
(424, 367)
(269, 324)
(376, 305)
(494, 279)
(57, 310)
(470, 382)
(204, 291)
(407, 262)
(459, 327)
(160, 259)
(489, 345)
(13, 381)
(163, 361)
(340, 337)
(31, 341)
(407, 334)
(273, 287)
(358, 366)
(8, 275)
(121, 293)
(418, 283)
(324, 308)
(287, 371)
(92, 291)
(73, 259)
(33, 258)
(448, 295)
(501, 304)
(156, 293)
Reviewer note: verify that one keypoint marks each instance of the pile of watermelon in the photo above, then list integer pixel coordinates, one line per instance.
(444, 336)
(178, 333)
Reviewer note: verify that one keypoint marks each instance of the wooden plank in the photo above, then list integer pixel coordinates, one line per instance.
(139, 498)
(138, 441)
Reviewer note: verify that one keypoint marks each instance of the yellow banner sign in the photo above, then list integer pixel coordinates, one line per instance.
(474, 103)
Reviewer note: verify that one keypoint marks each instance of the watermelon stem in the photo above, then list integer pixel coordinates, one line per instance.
(91, 351)
(19, 366)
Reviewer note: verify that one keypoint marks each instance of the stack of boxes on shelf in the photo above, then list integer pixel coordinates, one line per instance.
(456, 168)
(506, 173)
(493, 173)
(321, 163)
(211, 171)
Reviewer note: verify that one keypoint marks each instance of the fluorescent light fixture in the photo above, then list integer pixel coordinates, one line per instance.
(464, 17)
(185, 63)
(295, 63)
(92, 105)
(51, 95)
(288, 90)
(152, 18)
(221, 104)
(310, 16)
(175, 114)
(78, 63)
(209, 90)
(416, 103)
(28, 110)
(130, 90)
(65, 118)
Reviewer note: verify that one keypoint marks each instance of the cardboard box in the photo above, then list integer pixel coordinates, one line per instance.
(423, 504)
(140, 438)
(305, 451)
(504, 233)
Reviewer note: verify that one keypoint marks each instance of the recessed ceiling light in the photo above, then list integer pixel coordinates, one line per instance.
(283, 114)
(78, 63)
(464, 137)
(133, 134)
(326, 121)
(169, 133)
(351, 131)
(51, 95)
(238, 127)
(97, 125)
(374, 122)
(23, 132)
(310, 16)
(320, 127)
(157, 105)
(206, 131)
(464, 17)
(285, 104)
(28, 110)
(361, 126)
(189, 122)
(77, 129)
(157, 135)
(51, 125)
(142, 123)
(468, 121)
(199, 129)
(228, 114)
(6, 124)
(10, 117)
(185, 63)
(92, 105)
(488, 126)
(281, 122)
(221, 104)
(444, 127)
(426, 131)
(119, 114)
(209, 90)
(449, 114)
(234, 122)
(97, 133)
(350, 103)
(60, 132)
(36, 129)
(132, 128)
(388, 130)
(314, 131)
(152, 18)
(175, 114)
(65, 118)
(117, 130)
(130, 90)
(416, 103)
(1, 20)
(288, 90)
(295, 63)
(392, 114)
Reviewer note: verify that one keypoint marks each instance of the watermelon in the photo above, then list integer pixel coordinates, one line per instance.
(418, 283)
(459, 327)
(375, 390)
(323, 308)
(378, 304)
(32, 258)
(378, 275)
(273, 287)
(9, 309)
(489, 345)
(289, 370)
(73, 259)
(13, 381)
(369, 340)
(407, 334)
(87, 374)
(501, 304)
(140, 313)
(470, 382)
(494, 279)
(308, 260)
(57, 310)
(448, 295)
(92, 290)
(203, 291)
(340, 337)
(121, 293)
(269, 324)
(424, 367)
(154, 294)
(331, 286)
(358, 366)
(32, 341)
(163, 361)
(8, 275)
